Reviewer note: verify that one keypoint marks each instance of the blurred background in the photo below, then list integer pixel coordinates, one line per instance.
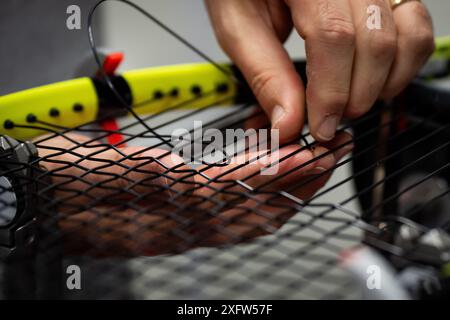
(37, 48)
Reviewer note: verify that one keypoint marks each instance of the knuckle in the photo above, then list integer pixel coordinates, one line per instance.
(423, 42)
(379, 3)
(122, 171)
(419, 36)
(336, 29)
(420, 11)
(383, 45)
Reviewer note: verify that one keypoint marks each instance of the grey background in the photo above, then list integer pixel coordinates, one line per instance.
(190, 19)
(36, 47)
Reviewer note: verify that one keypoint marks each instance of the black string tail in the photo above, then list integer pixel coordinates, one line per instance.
(141, 222)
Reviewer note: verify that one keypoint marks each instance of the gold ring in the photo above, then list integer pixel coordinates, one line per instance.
(396, 3)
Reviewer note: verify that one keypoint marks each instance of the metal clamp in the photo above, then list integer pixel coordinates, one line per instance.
(17, 197)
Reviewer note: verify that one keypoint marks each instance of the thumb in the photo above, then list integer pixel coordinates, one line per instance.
(279, 90)
(254, 46)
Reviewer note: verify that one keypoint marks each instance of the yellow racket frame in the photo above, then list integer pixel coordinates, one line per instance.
(75, 102)
(70, 102)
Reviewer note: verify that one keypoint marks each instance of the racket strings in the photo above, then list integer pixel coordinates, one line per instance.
(288, 208)
(211, 206)
(260, 208)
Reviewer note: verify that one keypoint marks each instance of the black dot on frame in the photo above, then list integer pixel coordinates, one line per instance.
(158, 95)
(54, 112)
(31, 118)
(174, 92)
(196, 90)
(222, 88)
(8, 124)
(78, 107)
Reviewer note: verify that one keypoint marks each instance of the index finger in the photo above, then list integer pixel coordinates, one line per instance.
(328, 30)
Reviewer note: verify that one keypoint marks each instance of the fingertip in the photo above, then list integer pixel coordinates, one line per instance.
(278, 117)
(327, 129)
(283, 99)
(325, 109)
(288, 123)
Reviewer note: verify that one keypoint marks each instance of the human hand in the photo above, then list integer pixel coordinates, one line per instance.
(349, 66)
(143, 201)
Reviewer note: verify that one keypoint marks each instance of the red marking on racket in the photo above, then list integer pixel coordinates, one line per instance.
(110, 65)
(112, 62)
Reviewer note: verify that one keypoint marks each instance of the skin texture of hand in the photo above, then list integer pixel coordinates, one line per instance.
(349, 66)
(124, 202)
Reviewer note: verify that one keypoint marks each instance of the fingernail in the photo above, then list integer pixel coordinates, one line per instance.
(317, 170)
(327, 129)
(278, 114)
